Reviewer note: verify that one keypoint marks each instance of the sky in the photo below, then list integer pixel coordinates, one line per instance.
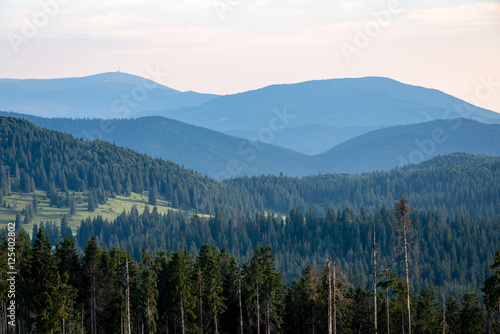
(230, 46)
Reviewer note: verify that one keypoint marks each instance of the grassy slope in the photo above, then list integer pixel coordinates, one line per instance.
(110, 210)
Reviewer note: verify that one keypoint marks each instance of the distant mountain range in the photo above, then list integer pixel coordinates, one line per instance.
(387, 148)
(309, 117)
(106, 95)
(221, 156)
(321, 114)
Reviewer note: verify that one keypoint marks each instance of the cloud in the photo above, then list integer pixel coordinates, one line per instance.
(463, 16)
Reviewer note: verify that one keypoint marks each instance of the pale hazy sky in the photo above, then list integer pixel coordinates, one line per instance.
(228, 46)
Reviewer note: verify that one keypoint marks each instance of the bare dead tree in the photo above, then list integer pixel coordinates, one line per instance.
(127, 308)
(329, 271)
(402, 227)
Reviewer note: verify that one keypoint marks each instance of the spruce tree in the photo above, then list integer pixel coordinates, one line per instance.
(471, 314)
(45, 277)
(180, 269)
(402, 226)
(91, 201)
(92, 278)
(150, 290)
(153, 194)
(209, 265)
(35, 203)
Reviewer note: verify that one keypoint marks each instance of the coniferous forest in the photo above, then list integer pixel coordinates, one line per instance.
(108, 291)
(267, 254)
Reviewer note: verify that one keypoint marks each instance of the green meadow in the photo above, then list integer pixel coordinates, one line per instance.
(16, 202)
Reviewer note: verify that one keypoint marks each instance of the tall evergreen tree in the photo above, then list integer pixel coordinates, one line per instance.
(150, 290)
(209, 265)
(92, 278)
(471, 315)
(427, 317)
(45, 277)
(180, 268)
(402, 227)
(153, 194)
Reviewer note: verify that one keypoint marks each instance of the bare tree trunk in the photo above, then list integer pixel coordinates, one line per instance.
(405, 230)
(499, 314)
(444, 313)
(216, 321)
(201, 302)
(127, 293)
(402, 209)
(334, 298)
(387, 311)
(182, 315)
(258, 309)
(239, 300)
(328, 269)
(93, 306)
(374, 277)
(150, 316)
(82, 321)
(268, 317)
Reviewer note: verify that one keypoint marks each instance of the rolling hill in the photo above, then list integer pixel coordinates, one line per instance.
(105, 95)
(209, 152)
(387, 148)
(221, 156)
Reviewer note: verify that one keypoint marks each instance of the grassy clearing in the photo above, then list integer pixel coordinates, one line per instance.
(16, 202)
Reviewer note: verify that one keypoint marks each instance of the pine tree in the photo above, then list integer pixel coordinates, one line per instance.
(427, 317)
(390, 280)
(68, 262)
(18, 222)
(453, 324)
(35, 203)
(264, 286)
(150, 281)
(92, 200)
(92, 276)
(72, 206)
(180, 269)
(471, 314)
(60, 299)
(153, 194)
(491, 290)
(402, 226)
(45, 277)
(66, 231)
(210, 270)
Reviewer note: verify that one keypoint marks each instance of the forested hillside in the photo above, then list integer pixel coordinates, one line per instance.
(454, 251)
(54, 161)
(180, 272)
(221, 156)
(387, 148)
(450, 184)
(59, 164)
(107, 291)
(209, 152)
